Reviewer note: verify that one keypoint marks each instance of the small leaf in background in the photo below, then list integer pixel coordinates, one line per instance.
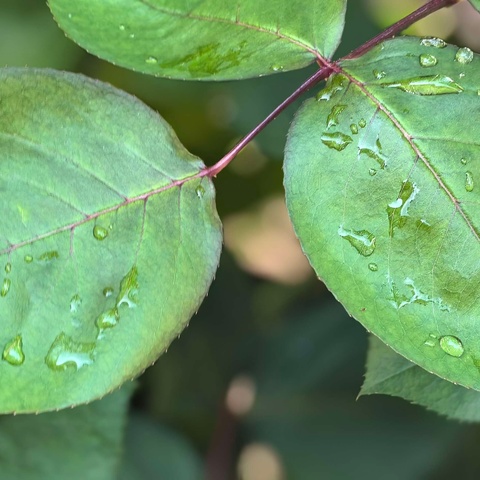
(476, 4)
(381, 176)
(154, 451)
(181, 40)
(60, 445)
(104, 259)
(391, 374)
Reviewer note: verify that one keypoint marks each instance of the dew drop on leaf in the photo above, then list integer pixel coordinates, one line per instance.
(464, 55)
(75, 303)
(28, 259)
(334, 85)
(107, 292)
(427, 60)
(452, 346)
(66, 352)
(427, 85)
(433, 42)
(121, 28)
(128, 289)
(337, 140)
(469, 182)
(354, 129)
(200, 191)
(48, 256)
(332, 118)
(151, 60)
(8, 267)
(373, 267)
(379, 74)
(100, 233)
(108, 319)
(13, 351)
(363, 241)
(277, 68)
(362, 123)
(372, 172)
(5, 287)
(463, 161)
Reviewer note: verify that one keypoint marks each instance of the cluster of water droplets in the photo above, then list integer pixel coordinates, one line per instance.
(450, 344)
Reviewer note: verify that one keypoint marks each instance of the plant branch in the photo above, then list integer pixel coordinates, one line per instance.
(430, 7)
(223, 162)
(425, 10)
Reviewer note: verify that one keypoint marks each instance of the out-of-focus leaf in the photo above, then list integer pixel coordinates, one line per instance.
(110, 238)
(476, 4)
(391, 374)
(157, 452)
(383, 194)
(85, 442)
(213, 39)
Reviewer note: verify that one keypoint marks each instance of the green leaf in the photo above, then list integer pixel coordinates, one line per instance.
(87, 439)
(381, 176)
(391, 374)
(155, 451)
(109, 243)
(476, 4)
(208, 40)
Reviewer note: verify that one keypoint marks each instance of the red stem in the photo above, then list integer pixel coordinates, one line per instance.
(430, 7)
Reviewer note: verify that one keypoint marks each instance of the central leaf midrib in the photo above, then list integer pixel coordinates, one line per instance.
(257, 28)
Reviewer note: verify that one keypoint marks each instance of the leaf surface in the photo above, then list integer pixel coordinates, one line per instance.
(110, 238)
(209, 40)
(391, 374)
(381, 176)
(59, 445)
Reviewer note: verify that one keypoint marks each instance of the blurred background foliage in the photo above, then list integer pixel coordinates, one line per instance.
(263, 383)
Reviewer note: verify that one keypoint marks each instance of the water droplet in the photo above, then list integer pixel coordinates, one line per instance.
(277, 68)
(28, 259)
(69, 15)
(354, 128)
(372, 172)
(464, 55)
(469, 182)
(427, 60)
(13, 351)
(48, 256)
(375, 153)
(8, 267)
(430, 342)
(108, 319)
(128, 289)
(452, 346)
(121, 27)
(373, 267)
(100, 233)
(332, 118)
(397, 210)
(427, 85)
(433, 42)
(75, 303)
(463, 161)
(334, 85)
(338, 141)
(379, 74)
(5, 287)
(151, 60)
(414, 296)
(363, 241)
(132, 35)
(362, 123)
(66, 353)
(200, 191)
(461, 75)
(107, 292)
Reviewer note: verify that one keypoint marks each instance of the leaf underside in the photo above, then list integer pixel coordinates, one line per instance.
(381, 177)
(180, 39)
(104, 261)
(391, 374)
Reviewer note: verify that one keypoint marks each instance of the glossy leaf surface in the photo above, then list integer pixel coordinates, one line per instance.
(209, 40)
(381, 175)
(110, 238)
(60, 445)
(391, 374)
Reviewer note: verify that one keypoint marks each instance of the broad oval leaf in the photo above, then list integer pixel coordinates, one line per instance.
(109, 241)
(208, 40)
(382, 178)
(391, 374)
